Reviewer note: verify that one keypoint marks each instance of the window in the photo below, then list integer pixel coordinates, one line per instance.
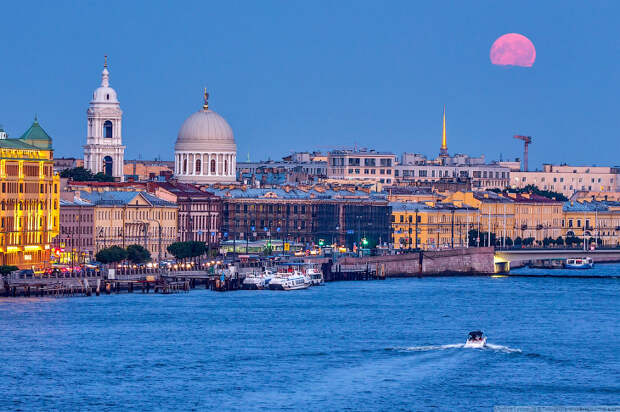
(213, 166)
(107, 129)
(198, 164)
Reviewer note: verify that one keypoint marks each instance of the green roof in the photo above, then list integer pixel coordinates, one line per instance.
(37, 137)
(16, 144)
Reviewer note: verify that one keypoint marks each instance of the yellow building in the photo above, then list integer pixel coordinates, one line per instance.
(495, 214)
(28, 198)
(536, 216)
(597, 221)
(428, 226)
(126, 218)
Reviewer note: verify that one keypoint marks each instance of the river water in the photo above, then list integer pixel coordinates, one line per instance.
(376, 345)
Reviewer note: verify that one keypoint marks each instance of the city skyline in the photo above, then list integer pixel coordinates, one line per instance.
(381, 84)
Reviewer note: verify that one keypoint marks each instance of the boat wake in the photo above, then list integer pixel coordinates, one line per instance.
(488, 346)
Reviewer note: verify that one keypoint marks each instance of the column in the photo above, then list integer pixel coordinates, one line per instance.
(208, 164)
(202, 158)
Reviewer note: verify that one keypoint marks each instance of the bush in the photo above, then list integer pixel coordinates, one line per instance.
(138, 254)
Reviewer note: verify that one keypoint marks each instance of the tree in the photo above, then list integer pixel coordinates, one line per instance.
(534, 190)
(548, 241)
(518, 241)
(78, 174)
(528, 241)
(6, 269)
(183, 250)
(102, 177)
(559, 241)
(111, 254)
(138, 254)
(509, 241)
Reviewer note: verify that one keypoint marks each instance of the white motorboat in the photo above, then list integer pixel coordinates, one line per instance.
(579, 263)
(289, 281)
(253, 281)
(476, 339)
(258, 280)
(315, 275)
(296, 281)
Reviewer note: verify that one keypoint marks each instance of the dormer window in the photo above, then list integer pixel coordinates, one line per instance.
(107, 129)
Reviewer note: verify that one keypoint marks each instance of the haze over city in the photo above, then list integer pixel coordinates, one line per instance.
(302, 76)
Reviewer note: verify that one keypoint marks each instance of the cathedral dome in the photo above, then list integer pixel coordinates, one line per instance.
(205, 151)
(205, 130)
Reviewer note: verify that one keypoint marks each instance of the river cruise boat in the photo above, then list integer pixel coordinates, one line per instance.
(579, 263)
(476, 339)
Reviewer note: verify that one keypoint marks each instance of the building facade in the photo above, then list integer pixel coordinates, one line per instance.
(29, 197)
(361, 164)
(199, 216)
(75, 241)
(567, 179)
(430, 227)
(597, 221)
(482, 176)
(104, 151)
(126, 218)
(304, 216)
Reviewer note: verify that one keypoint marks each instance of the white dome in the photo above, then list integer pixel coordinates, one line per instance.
(104, 93)
(205, 130)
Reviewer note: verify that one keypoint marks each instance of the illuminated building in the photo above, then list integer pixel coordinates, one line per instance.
(598, 221)
(126, 218)
(29, 198)
(304, 215)
(427, 226)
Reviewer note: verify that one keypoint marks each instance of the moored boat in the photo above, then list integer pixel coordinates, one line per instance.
(315, 275)
(579, 263)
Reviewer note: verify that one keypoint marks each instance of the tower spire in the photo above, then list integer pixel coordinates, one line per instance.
(105, 74)
(205, 106)
(443, 151)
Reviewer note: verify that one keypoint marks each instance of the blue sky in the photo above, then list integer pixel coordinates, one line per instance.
(317, 75)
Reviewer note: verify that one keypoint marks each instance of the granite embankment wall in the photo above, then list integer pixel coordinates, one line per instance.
(448, 262)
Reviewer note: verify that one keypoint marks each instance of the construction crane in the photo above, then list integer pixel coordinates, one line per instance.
(526, 142)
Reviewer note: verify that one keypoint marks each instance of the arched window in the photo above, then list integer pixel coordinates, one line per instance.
(225, 167)
(107, 166)
(107, 129)
(213, 166)
(184, 166)
(107, 97)
(197, 165)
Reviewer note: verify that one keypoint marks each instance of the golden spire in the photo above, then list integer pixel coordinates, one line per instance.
(443, 151)
(105, 60)
(206, 97)
(443, 135)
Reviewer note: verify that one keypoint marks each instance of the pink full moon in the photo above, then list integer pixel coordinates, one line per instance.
(513, 49)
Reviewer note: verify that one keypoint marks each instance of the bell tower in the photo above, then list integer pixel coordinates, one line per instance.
(104, 151)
